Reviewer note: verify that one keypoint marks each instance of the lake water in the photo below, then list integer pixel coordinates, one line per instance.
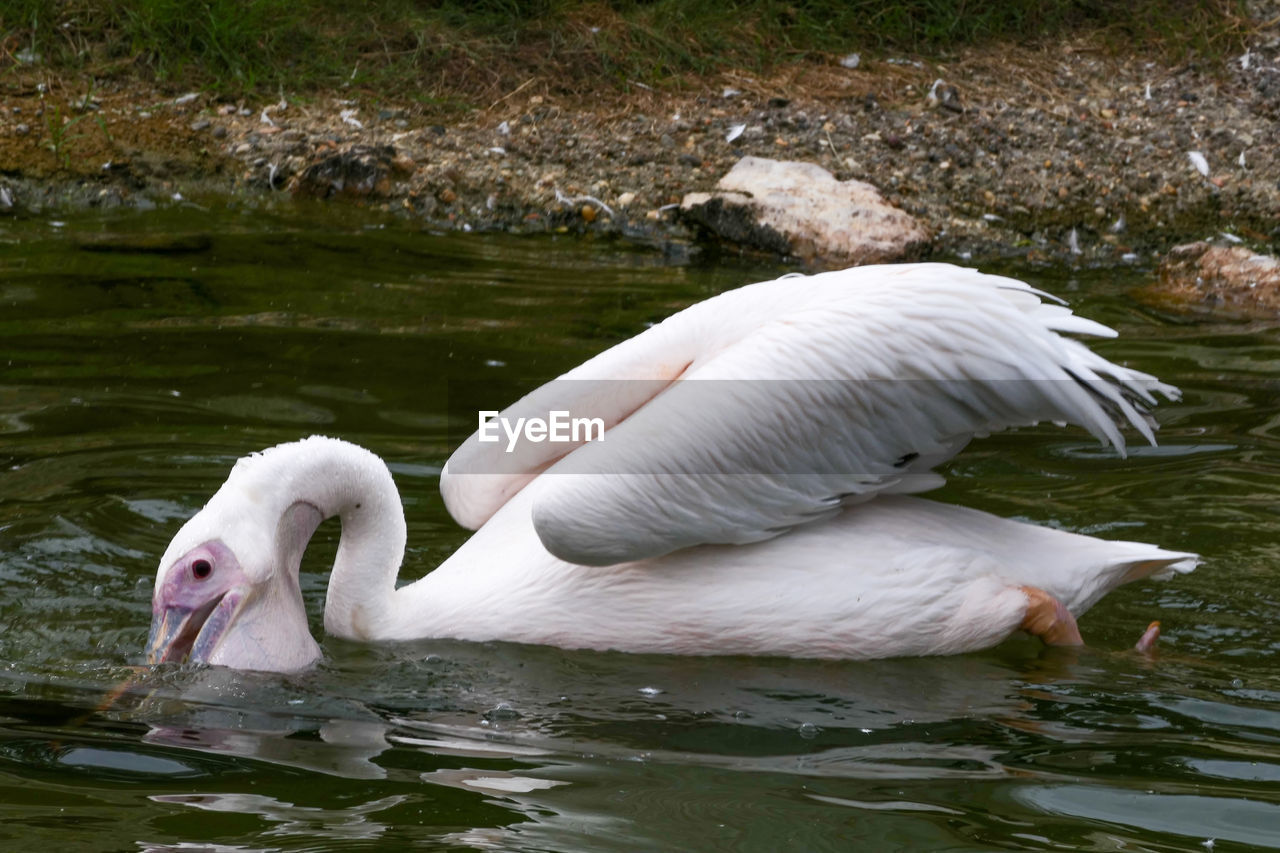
(131, 379)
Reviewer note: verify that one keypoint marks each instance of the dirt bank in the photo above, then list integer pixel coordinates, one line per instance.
(1058, 150)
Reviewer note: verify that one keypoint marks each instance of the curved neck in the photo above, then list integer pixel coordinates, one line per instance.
(338, 478)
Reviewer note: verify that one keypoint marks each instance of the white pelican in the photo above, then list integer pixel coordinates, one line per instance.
(747, 498)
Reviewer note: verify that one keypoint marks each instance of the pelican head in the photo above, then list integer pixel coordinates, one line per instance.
(227, 589)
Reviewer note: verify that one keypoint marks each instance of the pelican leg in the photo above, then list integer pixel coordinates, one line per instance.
(1147, 642)
(1049, 620)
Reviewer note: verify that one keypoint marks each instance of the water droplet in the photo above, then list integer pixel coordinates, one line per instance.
(651, 691)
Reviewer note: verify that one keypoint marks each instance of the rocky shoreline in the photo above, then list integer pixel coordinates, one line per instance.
(1058, 152)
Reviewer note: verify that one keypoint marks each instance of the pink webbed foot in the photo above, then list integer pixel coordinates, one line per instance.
(1049, 620)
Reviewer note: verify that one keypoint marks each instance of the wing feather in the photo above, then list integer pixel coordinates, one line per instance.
(776, 404)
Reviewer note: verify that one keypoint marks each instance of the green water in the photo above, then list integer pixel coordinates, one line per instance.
(130, 379)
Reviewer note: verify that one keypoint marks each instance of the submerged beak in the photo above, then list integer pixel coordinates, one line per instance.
(207, 609)
(179, 632)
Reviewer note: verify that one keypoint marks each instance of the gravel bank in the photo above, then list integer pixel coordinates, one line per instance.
(1060, 151)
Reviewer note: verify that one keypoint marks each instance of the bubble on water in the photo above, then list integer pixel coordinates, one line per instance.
(501, 713)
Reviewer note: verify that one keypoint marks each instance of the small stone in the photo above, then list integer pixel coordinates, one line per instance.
(219, 132)
(625, 199)
(666, 141)
(588, 213)
(200, 124)
(356, 173)
(689, 160)
(404, 164)
(22, 129)
(949, 99)
(447, 196)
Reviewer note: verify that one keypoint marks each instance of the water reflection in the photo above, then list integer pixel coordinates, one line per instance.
(288, 819)
(344, 747)
(554, 738)
(1206, 819)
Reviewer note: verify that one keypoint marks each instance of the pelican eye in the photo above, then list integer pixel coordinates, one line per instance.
(201, 569)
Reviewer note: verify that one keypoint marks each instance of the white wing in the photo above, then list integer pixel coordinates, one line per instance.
(794, 397)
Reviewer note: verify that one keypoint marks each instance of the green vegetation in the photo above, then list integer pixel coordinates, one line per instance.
(440, 47)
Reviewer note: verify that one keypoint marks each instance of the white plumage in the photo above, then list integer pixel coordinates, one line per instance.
(744, 499)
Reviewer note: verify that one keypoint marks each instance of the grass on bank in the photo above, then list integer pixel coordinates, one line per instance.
(454, 48)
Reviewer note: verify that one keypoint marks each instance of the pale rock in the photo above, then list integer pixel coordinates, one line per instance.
(800, 209)
(1231, 278)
